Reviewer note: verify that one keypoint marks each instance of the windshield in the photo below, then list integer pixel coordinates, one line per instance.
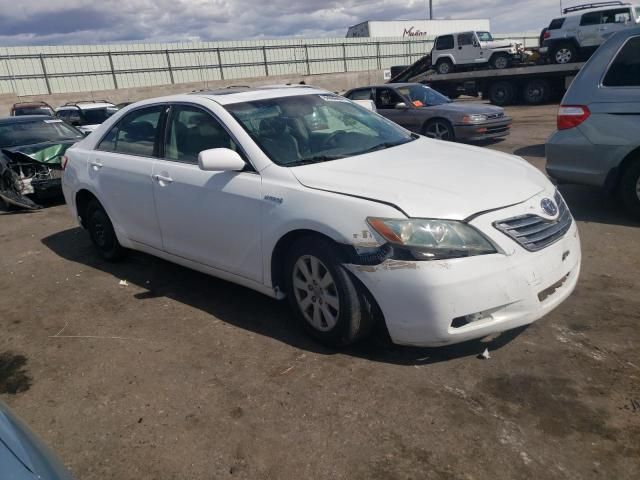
(33, 111)
(315, 128)
(484, 36)
(37, 131)
(94, 116)
(421, 95)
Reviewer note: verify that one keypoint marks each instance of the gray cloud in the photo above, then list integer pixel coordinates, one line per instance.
(41, 22)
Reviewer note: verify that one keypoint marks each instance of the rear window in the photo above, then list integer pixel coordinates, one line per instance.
(625, 70)
(592, 18)
(444, 43)
(556, 24)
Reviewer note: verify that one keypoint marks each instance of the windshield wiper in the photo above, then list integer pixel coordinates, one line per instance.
(316, 159)
(384, 146)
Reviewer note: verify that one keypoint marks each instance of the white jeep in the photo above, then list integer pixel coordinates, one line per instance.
(576, 35)
(465, 49)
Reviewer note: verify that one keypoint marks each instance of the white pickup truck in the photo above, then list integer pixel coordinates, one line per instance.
(466, 49)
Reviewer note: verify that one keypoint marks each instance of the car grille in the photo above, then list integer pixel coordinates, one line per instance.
(501, 129)
(493, 116)
(534, 232)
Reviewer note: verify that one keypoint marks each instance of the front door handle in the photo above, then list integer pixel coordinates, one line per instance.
(162, 179)
(96, 165)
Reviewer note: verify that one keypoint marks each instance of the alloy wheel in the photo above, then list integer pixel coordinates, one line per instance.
(316, 293)
(563, 55)
(438, 131)
(501, 62)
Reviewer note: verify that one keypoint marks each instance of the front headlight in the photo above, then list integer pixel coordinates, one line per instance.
(428, 239)
(474, 118)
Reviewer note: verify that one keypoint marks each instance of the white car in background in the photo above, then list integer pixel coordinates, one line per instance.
(296, 192)
(86, 115)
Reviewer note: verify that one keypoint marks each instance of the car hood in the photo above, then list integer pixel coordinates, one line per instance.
(507, 42)
(47, 152)
(467, 108)
(430, 178)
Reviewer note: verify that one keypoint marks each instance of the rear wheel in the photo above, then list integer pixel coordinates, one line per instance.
(444, 66)
(439, 130)
(502, 93)
(630, 188)
(536, 92)
(327, 301)
(500, 61)
(564, 53)
(102, 233)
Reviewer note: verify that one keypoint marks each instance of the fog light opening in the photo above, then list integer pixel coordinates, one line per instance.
(460, 322)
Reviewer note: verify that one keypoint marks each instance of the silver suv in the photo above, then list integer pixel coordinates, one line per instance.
(598, 141)
(466, 49)
(584, 28)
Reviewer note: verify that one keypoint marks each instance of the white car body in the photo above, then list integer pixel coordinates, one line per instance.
(181, 221)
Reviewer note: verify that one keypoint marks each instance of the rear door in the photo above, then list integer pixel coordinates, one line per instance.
(213, 218)
(589, 31)
(120, 169)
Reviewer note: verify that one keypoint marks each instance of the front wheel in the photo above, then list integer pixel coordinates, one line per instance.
(102, 233)
(439, 130)
(630, 188)
(500, 61)
(326, 300)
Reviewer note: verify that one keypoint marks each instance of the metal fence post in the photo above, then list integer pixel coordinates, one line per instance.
(113, 72)
(379, 60)
(266, 65)
(44, 73)
(169, 66)
(306, 58)
(220, 64)
(344, 56)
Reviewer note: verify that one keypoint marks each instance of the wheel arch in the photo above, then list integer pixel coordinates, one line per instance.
(82, 199)
(446, 56)
(614, 179)
(434, 119)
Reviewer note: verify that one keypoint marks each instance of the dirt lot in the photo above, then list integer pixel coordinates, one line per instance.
(181, 376)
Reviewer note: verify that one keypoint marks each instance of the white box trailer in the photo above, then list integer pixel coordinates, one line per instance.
(416, 28)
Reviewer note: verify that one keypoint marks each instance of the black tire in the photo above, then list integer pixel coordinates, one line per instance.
(564, 53)
(536, 92)
(102, 233)
(500, 61)
(444, 66)
(354, 317)
(502, 93)
(630, 188)
(439, 129)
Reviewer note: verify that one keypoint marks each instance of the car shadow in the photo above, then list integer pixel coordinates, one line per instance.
(536, 151)
(245, 308)
(592, 204)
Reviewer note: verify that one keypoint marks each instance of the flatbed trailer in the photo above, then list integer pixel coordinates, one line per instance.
(529, 84)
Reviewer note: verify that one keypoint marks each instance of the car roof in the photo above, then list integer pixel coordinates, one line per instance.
(391, 85)
(23, 119)
(239, 94)
(595, 9)
(85, 105)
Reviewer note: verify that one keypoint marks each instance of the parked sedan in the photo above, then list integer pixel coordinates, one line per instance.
(423, 110)
(301, 194)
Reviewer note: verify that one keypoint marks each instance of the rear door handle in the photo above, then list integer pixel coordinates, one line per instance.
(96, 165)
(162, 178)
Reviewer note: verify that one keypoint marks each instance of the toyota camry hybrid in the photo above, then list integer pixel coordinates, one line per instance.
(301, 194)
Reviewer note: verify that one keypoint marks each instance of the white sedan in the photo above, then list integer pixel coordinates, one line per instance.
(301, 194)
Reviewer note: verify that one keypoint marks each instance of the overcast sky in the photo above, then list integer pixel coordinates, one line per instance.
(54, 22)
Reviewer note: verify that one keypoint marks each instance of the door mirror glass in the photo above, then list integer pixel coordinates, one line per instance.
(220, 160)
(401, 106)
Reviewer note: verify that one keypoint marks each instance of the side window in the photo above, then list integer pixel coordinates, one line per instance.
(364, 94)
(191, 130)
(465, 39)
(625, 70)
(387, 98)
(74, 118)
(619, 15)
(135, 134)
(556, 24)
(592, 18)
(444, 43)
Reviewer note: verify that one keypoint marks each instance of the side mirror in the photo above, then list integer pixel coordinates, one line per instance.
(401, 106)
(220, 160)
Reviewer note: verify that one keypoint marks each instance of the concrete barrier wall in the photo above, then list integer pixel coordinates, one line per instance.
(337, 82)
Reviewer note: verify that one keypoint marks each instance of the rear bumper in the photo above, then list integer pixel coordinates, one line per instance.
(483, 131)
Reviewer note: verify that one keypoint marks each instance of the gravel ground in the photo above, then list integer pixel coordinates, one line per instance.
(182, 376)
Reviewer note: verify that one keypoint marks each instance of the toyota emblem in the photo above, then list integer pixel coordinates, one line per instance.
(549, 207)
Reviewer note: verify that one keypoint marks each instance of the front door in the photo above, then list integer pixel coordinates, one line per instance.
(386, 101)
(589, 32)
(469, 50)
(212, 218)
